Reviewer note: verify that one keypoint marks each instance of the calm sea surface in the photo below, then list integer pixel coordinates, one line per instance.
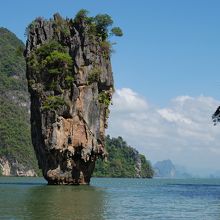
(31, 198)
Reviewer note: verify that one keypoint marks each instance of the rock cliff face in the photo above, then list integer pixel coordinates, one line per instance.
(70, 82)
(11, 167)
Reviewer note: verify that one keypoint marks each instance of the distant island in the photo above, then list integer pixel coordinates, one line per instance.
(166, 169)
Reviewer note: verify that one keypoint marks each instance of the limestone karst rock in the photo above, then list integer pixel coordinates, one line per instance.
(70, 83)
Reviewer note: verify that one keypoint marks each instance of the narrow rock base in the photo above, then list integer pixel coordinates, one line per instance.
(79, 175)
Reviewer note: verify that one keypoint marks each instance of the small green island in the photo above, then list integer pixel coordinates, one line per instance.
(123, 161)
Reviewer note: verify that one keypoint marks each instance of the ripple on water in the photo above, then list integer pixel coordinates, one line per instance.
(108, 198)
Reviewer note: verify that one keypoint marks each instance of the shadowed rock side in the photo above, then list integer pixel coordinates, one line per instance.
(70, 82)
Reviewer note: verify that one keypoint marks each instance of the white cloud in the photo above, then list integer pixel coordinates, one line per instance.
(182, 131)
(172, 116)
(182, 99)
(127, 100)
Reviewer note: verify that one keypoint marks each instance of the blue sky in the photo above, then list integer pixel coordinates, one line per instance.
(169, 55)
(169, 47)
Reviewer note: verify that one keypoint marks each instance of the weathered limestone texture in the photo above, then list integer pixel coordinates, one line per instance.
(70, 83)
(11, 167)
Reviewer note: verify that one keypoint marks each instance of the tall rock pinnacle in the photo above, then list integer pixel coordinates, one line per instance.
(71, 84)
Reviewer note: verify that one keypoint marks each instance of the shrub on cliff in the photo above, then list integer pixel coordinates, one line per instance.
(53, 103)
(57, 62)
(99, 25)
(94, 75)
(53, 45)
(51, 57)
(104, 98)
(54, 61)
(61, 26)
(103, 21)
(117, 31)
(81, 15)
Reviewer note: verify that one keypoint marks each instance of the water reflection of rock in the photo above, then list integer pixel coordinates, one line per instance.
(78, 203)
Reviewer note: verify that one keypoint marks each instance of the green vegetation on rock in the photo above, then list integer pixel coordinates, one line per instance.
(61, 26)
(52, 58)
(106, 48)
(123, 161)
(53, 103)
(82, 15)
(69, 80)
(15, 140)
(104, 98)
(54, 62)
(12, 63)
(146, 168)
(117, 31)
(99, 26)
(57, 62)
(94, 75)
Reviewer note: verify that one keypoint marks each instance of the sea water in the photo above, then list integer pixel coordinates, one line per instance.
(110, 198)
